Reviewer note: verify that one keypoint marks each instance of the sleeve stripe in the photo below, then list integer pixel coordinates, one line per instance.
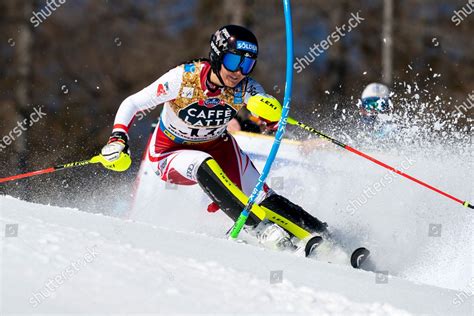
(122, 127)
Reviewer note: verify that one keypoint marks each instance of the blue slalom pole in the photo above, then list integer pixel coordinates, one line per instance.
(281, 125)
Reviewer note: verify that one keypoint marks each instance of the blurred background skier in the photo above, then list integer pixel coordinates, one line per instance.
(376, 109)
(375, 118)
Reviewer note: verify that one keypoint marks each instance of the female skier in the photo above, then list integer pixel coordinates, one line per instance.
(191, 145)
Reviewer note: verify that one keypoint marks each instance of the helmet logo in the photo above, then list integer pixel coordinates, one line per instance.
(243, 45)
(221, 38)
(215, 49)
(225, 33)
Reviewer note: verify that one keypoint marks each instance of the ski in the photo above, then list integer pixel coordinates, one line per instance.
(359, 258)
(311, 245)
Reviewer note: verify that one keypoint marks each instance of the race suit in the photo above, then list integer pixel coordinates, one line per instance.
(191, 145)
(192, 125)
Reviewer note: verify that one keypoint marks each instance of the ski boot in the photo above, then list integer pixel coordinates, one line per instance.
(272, 236)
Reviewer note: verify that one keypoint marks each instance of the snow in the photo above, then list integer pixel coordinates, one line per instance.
(170, 256)
(138, 267)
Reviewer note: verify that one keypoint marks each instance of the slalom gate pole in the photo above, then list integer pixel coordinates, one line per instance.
(49, 170)
(281, 125)
(357, 152)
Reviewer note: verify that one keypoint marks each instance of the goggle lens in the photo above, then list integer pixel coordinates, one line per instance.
(375, 104)
(234, 62)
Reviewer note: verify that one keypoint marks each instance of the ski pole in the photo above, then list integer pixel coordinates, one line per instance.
(271, 111)
(50, 170)
(121, 164)
(378, 162)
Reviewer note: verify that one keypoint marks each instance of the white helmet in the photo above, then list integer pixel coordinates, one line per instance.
(376, 98)
(376, 90)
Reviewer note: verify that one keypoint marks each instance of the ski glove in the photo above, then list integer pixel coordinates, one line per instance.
(116, 154)
(270, 126)
(115, 146)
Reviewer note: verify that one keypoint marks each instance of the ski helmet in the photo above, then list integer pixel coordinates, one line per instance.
(235, 47)
(375, 99)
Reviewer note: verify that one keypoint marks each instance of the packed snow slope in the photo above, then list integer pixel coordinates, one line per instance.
(59, 260)
(168, 255)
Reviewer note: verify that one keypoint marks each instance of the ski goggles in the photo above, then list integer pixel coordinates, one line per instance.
(375, 104)
(233, 62)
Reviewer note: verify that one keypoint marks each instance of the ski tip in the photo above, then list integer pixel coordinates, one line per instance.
(312, 244)
(359, 256)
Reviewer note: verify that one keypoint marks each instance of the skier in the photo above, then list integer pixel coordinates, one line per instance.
(191, 145)
(375, 107)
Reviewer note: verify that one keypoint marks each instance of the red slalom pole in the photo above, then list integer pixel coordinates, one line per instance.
(357, 152)
(48, 170)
